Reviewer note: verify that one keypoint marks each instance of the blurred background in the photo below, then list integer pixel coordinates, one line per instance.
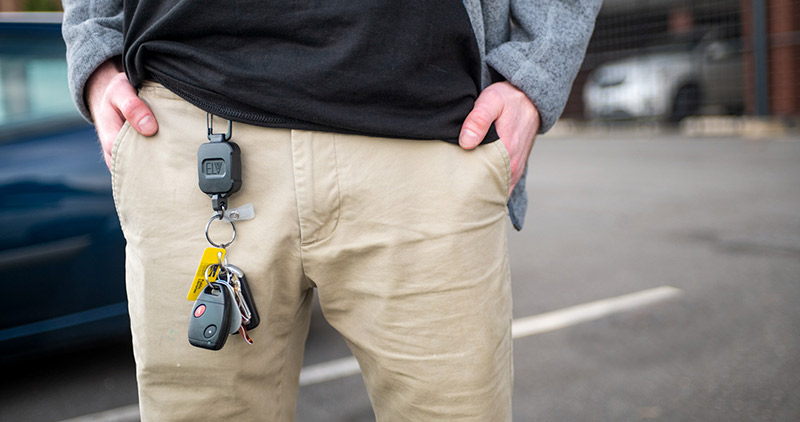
(676, 58)
(657, 277)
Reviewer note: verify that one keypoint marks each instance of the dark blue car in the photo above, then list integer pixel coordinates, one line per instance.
(61, 248)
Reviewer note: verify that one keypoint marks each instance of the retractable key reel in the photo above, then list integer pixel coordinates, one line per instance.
(219, 166)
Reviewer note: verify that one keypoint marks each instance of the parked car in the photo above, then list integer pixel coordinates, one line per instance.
(61, 247)
(700, 69)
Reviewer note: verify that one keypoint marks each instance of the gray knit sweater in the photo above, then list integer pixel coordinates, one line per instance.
(537, 45)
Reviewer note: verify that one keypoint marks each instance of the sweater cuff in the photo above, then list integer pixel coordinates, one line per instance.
(87, 51)
(546, 89)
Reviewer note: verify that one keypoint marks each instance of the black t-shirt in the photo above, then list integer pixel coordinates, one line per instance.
(395, 68)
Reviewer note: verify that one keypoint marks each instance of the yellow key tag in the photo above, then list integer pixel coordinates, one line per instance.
(210, 257)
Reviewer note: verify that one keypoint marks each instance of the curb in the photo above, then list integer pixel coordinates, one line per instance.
(750, 127)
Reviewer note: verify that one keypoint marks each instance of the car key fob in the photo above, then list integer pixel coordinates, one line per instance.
(214, 317)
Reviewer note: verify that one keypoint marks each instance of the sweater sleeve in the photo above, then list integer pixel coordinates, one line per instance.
(546, 48)
(92, 31)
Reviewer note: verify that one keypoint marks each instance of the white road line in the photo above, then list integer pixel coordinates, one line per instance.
(566, 317)
(120, 414)
(523, 327)
(327, 371)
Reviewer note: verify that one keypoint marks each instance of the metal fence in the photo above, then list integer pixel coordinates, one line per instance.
(666, 60)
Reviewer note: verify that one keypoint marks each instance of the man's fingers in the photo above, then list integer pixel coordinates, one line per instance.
(112, 100)
(123, 97)
(486, 110)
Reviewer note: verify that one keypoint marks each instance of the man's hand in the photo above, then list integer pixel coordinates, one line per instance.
(112, 100)
(516, 120)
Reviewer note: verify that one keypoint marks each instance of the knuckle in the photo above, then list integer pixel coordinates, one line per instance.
(132, 107)
(482, 117)
(492, 95)
(117, 82)
(122, 95)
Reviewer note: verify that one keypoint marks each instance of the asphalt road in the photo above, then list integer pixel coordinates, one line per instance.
(716, 218)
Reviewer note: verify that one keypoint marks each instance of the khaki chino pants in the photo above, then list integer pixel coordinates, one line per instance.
(404, 241)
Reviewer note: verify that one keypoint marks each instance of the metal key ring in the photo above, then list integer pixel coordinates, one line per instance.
(210, 270)
(218, 216)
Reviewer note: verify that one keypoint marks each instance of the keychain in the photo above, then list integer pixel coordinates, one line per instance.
(223, 302)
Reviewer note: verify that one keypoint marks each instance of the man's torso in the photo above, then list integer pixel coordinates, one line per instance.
(406, 69)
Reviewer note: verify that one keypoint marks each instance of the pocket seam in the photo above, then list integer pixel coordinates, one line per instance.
(115, 162)
(506, 156)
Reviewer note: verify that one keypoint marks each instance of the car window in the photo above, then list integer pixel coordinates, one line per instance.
(688, 41)
(33, 78)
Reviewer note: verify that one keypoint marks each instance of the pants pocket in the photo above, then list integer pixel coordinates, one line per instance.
(505, 160)
(115, 161)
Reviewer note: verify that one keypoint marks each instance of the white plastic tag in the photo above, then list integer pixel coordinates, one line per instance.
(245, 212)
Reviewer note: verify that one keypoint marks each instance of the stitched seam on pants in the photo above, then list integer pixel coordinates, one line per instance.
(281, 395)
(309, 282)
(284, 353)
(300, 243)
(338, 199)
(115, 189)
(506, 156)
(297, 198)
(510, 357)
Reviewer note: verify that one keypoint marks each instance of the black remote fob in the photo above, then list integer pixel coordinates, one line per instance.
(210, 323)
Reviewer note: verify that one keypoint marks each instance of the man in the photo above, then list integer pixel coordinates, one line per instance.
(381, 141)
